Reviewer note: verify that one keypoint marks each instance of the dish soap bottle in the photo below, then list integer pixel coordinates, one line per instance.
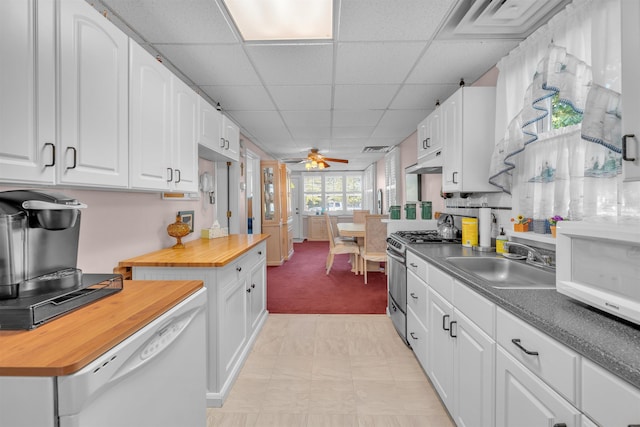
(500, 240)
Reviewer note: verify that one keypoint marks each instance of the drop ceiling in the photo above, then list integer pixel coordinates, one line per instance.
(388, 64)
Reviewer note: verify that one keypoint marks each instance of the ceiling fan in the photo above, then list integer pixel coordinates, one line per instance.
(315, 160)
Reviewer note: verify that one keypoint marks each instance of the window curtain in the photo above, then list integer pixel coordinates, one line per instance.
(368, 187)
(392, 176)
(571, 171)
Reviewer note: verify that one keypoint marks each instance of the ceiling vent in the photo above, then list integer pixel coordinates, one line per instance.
(501, 18)
(376, 149)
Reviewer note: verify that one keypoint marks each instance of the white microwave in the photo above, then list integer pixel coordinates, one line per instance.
(598, 263)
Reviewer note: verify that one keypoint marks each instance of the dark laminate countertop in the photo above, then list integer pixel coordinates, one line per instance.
(606, 340)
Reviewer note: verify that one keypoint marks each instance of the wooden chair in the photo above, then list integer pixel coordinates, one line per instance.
(334, 228)
(359, 215)
(375, 241)
(338, 246)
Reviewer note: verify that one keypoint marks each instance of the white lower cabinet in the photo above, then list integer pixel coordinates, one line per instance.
(523, 399)
(234, 315)
(441, 347)
(474, 375)
(608, 400)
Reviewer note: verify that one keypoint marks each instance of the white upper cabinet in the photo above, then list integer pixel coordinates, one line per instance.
(185, 135)
(631, 89)
(94, 116)
(27, 111)
(430, 137)
(468, 139)
(150, 127)
(219, 137)
(164, 127)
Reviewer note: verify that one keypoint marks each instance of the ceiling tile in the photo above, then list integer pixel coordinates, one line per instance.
(344, 118)
(252, 98)
(468, 59)
(375, 63)
(292, 97)
(395, 123)
(354, 97)
(307, 118)
(421, 96)
(170, 21)
(310, 132)
(293, 64)
(412, 20)
(212, 64)
(352, 131)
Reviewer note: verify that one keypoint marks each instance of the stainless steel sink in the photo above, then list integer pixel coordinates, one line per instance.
(503, 273)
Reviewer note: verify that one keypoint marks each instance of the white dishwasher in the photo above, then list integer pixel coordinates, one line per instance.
(156, 377)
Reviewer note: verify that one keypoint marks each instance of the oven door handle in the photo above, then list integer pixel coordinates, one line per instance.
(398, 258)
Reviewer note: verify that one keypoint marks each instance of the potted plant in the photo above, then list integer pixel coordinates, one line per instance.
(553, 221)
(520, 223)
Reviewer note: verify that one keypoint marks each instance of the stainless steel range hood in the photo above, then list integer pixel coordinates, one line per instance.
(431, 163)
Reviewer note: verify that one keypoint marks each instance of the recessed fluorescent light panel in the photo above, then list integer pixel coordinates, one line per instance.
(282, 19)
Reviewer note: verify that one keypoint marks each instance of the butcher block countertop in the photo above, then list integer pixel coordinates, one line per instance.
(216, 252)
(67, 344)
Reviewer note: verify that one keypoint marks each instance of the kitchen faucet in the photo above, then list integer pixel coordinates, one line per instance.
(534, 257)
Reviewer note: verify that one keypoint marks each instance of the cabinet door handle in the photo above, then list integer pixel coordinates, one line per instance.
(238, 269)
(413, 265)
(253, 285)
(170, 175)
(53, 154)
(424, 144)
(624, 147)
(413, 336)
(221, 142)
(75, 157)
(393, 307)
(248, 290)
(516, 341)
(259, 252)
(179, 175)
(453, 177)
(413, 295)
(226, 146)
(428, 142)
(559, 425)
(444, 322)
(451, 329)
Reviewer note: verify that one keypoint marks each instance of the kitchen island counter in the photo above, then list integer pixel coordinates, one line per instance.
(216, 252)
(606, 340)
(65, 345)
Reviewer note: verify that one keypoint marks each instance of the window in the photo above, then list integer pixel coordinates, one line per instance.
(332, 192)
(392, 176)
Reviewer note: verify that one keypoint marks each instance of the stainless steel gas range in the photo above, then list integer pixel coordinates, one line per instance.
(396, 252)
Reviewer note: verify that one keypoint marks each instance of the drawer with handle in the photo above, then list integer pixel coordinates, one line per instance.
(552, 362)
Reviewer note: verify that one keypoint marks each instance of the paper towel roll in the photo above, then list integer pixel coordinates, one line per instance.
(484, 226)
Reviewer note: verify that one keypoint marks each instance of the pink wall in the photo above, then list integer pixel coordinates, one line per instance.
(119, 225)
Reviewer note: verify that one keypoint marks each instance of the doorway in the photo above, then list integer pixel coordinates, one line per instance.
(254, 219)
(295, 208)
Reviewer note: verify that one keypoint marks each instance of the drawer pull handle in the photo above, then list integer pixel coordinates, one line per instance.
(516, 341)
(248, 290)
(259, 252)
(413, 336)
(253, 285)
(413, 295)
(239, 269)
(444, 322)
(451, 329)
(413, 265)
(559, 425)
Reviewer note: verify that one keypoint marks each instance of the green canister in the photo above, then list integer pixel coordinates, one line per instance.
(426, 210)
(394, 212)
(410, 211)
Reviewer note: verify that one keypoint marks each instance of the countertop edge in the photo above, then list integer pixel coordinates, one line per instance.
(603, 357)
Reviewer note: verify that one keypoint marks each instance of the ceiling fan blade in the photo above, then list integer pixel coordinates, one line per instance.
(298, 160)
(328, 159)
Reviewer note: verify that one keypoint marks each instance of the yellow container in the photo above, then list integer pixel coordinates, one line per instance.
(469, 232)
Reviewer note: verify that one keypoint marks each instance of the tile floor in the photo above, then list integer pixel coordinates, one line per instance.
(330, 370)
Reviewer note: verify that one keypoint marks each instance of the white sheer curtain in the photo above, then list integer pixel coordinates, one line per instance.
(571, 171)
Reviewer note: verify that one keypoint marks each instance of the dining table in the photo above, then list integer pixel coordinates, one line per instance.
(357, 230)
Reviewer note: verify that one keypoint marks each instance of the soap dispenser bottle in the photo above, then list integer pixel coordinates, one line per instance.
(500, 241)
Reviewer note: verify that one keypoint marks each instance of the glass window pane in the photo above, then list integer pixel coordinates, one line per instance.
(333, 184)
(334, 202)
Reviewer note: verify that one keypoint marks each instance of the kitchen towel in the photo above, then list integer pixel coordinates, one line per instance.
(484, 219)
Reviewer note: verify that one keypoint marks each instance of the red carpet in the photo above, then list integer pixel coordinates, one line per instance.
(302, 286)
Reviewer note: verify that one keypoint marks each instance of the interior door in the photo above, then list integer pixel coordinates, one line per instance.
(295, 208)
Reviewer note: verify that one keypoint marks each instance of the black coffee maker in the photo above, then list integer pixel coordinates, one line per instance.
(39, 278)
